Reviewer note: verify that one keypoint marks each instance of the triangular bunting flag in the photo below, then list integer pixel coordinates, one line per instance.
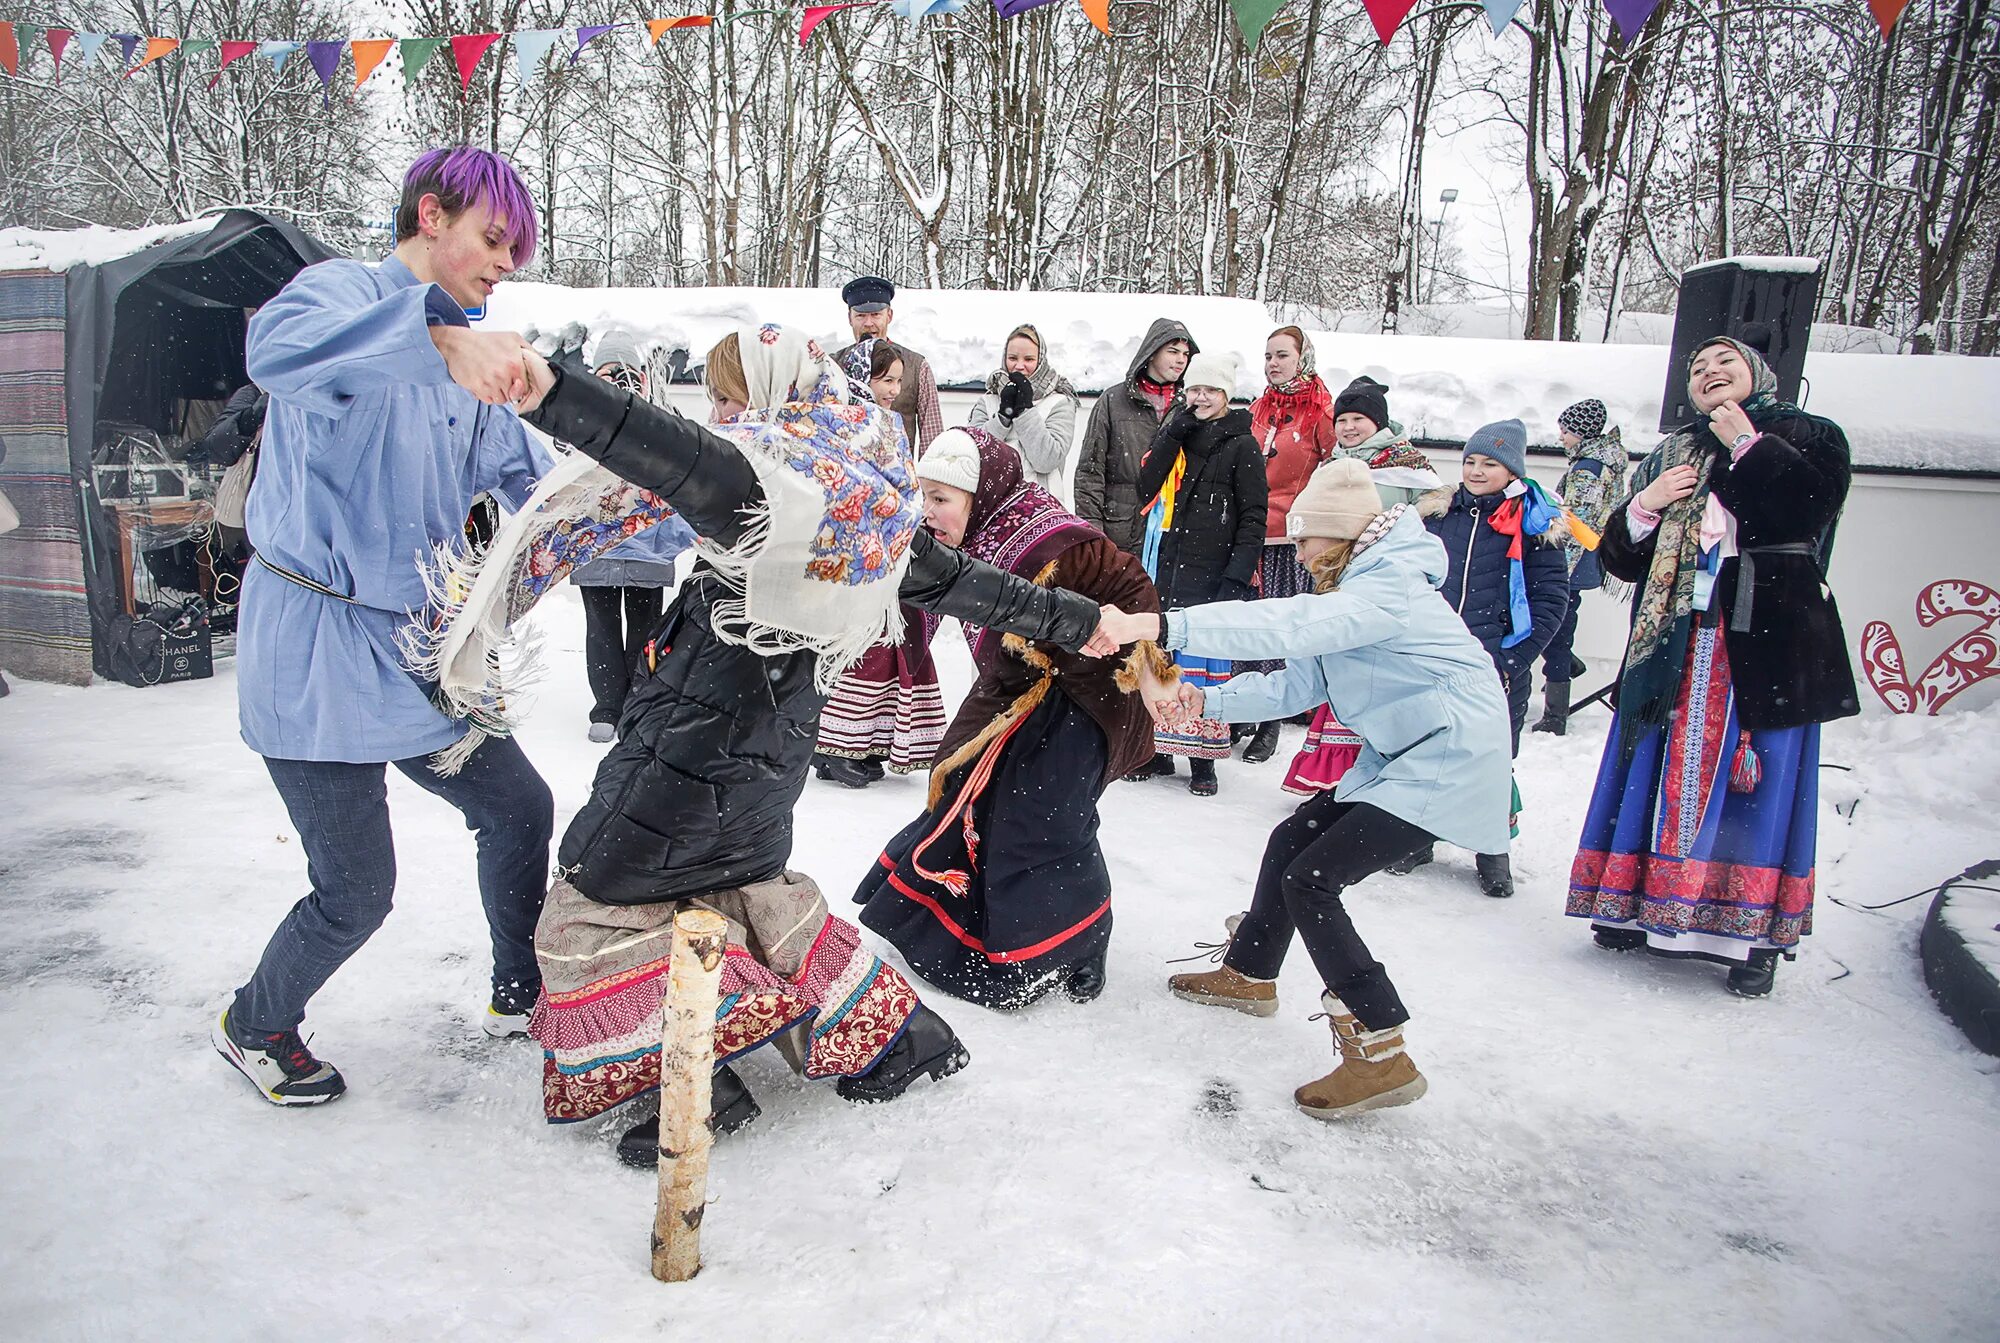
(130, 42)
(1630, 15)
(278, 52)
(695, 21)
(25, 37)
(916, 11)
(1009, 9)
(466, 50)
(417, 53)
(10, 50)
(369, 53)
(1500, 13)
(325, 58)
(1886, 12)
(1388, 15)
(87, 47)
(1099, 13)
(815, 15)
(58, 38)
(654, 27)
(231, 51)
(156, 47)
(1254, 16)
(529, 48)
(195, 46)
(586, 35)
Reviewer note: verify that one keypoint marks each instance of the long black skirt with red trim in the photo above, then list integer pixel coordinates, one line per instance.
(999, 909)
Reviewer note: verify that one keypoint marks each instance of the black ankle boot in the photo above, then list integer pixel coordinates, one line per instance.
(730, 1107)
(1496, 874)
(1619, 939)
(1086, 978)
(1203, 783)
(1262, 746)
(1555, 708)
(1755, 978)
(838, 769)
(927, 1048)
(1402, 867)
(1161, 767)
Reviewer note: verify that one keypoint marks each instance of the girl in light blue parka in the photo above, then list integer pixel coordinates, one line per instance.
(1378, 644)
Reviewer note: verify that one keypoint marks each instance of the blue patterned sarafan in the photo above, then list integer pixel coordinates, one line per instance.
(855, 453)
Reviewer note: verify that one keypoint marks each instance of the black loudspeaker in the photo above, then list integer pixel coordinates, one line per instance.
(1766, 302)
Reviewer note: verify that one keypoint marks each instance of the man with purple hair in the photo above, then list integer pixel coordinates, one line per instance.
(388, 416)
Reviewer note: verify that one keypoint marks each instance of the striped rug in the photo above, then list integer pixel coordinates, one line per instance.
(44, 613)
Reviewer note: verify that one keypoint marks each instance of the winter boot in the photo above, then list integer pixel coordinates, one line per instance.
(876, 768)
(1203, 783)
(1225, 987)
(1161, 767)
(838, 769)
(278, 1064)
(510, 1009)
(730, 1107)
(1374, 1073)
(1262, 746)
(1755, 977)
(1618, 939)
(926, 1048)
(1555, 708)
(1086, 978)
(1402, 867)
(1496, 874)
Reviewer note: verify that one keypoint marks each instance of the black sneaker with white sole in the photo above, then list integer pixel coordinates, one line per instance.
(279, 1065)
(513, 1003)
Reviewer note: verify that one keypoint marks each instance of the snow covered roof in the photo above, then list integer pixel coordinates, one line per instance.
(93, 245)
(1938, 411)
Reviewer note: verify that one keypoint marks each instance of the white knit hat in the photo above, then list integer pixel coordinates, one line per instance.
(951, 459)
(1336, 504)
(1210, 369)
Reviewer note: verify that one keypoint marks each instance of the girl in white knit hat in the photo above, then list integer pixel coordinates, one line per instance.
(1204, 536)
(1376, 641)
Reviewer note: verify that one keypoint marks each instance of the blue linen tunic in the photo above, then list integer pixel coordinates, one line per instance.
(371, 458)
(1394, 662)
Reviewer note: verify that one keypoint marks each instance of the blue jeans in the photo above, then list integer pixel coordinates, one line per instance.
(341, 812)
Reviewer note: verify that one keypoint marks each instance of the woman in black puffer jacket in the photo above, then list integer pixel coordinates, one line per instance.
(1204, 536)
(694, 803)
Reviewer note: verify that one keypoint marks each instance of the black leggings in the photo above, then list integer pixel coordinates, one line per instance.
(1321, 850)
(611, 645)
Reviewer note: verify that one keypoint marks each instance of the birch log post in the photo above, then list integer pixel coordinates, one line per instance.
(687, 1062)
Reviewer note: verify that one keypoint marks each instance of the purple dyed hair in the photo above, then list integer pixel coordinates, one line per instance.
(461, 177)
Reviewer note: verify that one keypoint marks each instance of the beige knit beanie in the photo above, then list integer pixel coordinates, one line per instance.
(1336, 504)
(951, 459)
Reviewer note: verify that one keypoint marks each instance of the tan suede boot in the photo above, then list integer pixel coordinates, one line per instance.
(1374, 1071)
(1224, 987)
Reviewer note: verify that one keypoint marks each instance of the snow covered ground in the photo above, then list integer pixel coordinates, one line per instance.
(1612, 1146)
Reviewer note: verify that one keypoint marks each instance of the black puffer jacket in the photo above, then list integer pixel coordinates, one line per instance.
(1212, 551)
(715, 740)
(1476, 580)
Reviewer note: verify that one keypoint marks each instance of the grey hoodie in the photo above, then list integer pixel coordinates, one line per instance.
(1121, 428)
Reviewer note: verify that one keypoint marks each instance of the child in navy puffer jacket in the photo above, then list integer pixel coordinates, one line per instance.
(1511, 588)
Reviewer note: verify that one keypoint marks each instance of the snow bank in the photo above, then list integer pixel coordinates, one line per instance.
(1940, 412)
(59, 249)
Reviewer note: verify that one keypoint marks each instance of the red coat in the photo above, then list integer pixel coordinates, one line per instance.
(1295, 434)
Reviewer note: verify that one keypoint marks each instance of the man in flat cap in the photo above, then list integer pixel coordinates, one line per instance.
(868, 299)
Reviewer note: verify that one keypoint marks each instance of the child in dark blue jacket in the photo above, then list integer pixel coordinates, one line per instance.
(1509, 584)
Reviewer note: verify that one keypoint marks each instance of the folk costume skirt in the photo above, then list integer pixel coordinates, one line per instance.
(888, 705)
(792, 973)
(1706, 837)
(995, 894)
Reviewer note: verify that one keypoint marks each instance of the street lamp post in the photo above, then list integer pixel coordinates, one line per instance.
(1445, 198)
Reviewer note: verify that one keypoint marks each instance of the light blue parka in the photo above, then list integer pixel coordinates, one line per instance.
(371, 457)
(1396, 664)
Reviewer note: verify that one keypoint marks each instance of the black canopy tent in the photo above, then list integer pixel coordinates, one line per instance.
(159, 327)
